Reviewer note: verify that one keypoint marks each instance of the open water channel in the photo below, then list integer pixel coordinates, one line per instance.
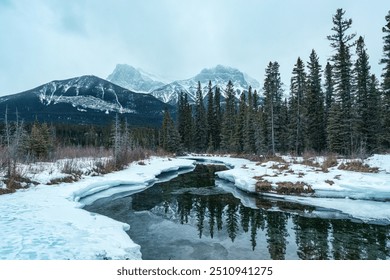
(196, 216)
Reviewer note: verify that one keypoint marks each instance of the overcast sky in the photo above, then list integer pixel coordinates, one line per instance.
(45, 40)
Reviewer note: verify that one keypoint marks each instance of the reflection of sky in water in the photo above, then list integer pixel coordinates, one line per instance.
(189, 218)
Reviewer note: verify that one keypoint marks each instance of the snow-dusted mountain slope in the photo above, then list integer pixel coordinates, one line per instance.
(140, 81)
(134, 79)
(219, 76)
(83, 100)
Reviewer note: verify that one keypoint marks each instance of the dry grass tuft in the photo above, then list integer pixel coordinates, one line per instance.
(294, 188)
(262, 185)
(358, 166)
(330, 161)
(280, 167)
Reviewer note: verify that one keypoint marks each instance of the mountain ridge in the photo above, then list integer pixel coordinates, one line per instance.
(84, 100)
(218, 75)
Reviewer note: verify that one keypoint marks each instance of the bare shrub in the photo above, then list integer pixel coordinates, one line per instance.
(309, 159)
(71, 152)
(105, 166)
(69, 166)
(330, 161)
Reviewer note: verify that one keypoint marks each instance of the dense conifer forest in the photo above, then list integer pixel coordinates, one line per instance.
(340, 107)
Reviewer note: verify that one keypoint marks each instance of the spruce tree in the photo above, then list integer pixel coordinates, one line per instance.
(170, 138)
(239, 132)
(284, 122)
(340, 41)
(297, 110)
(329, 89)
(184, 121)
(228, 123)
(272, 105)
(210, 119)
(362, 89)
(181, 117)
(315, 117)
(39, 141)
(200, 124)
(249, 132)
(217, 119)
(385, 61)
(373, 115)
(260, 131)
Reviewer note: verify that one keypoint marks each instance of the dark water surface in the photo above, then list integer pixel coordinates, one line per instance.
(195, 217)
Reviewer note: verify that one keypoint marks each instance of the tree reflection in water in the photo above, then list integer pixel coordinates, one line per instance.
(192, 199)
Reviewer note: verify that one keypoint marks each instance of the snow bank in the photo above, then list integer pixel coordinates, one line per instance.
(47, 222)
(363, 196)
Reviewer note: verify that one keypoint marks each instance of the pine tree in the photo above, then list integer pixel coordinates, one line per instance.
(329, 89)
(284, 122)
(373, 115)
(184, 121)
(315, 133)
(116, 136)
(272, 105)
(228, 122)
(385, 61)
(297, 110)
(170, 138)
(260, 130)
(334, 129)
(362, 89)
(39, 141)
(210, 119)
(217, 119)
(255, 101)
(239, 132)
(249, 132)
(181, 121)
(342, 76)
(200, 124)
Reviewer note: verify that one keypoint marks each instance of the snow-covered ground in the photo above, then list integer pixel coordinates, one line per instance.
(364, 196)
(48, 222)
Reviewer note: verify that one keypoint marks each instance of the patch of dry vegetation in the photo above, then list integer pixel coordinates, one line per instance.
(16, 181)
(296, 188)
(330, 161)
(287, 188)
(280, 167)
(263, 186)
(73, 152)
(66, 179)
(358, 166)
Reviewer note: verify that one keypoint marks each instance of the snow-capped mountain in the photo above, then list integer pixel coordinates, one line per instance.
(136, 80)
(83, 100)
(219, 76)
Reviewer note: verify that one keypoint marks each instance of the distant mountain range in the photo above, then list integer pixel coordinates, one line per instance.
(133, 93)
(136, 79)
(83, 100)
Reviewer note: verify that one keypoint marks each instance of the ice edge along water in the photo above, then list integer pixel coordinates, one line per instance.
(48, 222)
